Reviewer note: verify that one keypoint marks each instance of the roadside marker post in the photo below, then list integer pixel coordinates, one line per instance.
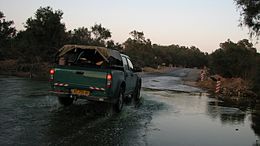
(202, 75)
(218, 86)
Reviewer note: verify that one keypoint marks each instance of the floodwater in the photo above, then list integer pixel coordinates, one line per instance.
(30, 116)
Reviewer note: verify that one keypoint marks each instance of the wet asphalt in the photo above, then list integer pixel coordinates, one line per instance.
(31, 116)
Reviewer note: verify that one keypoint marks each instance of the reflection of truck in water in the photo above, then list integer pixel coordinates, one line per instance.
(94, 73)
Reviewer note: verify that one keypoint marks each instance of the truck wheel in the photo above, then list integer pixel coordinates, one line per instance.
(65, 101)
(120, 102)
(136, 94)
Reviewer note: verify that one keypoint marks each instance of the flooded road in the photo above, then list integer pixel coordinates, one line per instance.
(30, 116)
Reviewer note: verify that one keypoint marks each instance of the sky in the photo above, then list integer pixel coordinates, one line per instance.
(201, 23)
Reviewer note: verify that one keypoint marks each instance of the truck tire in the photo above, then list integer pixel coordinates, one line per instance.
(65, 101)
(136, 94)
(120, 101)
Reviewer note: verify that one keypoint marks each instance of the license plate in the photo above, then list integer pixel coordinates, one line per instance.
(80, 92)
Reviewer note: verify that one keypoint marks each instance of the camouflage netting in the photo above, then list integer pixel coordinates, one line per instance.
(104, 52)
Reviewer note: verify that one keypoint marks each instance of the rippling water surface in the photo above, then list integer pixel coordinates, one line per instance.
(30, 116)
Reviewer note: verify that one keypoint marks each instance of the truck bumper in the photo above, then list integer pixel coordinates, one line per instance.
(92, 98)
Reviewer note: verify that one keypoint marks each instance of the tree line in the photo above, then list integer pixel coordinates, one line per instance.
(144, 53)
(44, 34)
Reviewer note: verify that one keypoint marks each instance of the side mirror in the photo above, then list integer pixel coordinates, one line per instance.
(137, 69)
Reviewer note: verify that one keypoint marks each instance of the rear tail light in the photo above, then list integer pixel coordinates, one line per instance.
(109, 80)
(52, 72)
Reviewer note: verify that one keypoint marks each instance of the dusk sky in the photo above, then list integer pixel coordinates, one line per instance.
(201, 23)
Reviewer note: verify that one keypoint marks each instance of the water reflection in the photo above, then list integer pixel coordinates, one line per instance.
(29, 117)
(256, 120)
(96, 124)
(227, 115)
(67, 124)
(232, 115)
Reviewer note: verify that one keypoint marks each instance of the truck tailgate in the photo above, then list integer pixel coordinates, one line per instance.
(82, 78)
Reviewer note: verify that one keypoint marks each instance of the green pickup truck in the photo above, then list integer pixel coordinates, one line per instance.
(96, 74)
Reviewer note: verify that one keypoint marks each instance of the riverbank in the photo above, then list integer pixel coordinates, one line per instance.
(233, 91)
(39, 71)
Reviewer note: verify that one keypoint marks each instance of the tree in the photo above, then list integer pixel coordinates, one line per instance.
(44, 33)
(112, 45)
(138, 36)
(196, 58)
(7, 32)
(250, 13)
(101, 34)
(246, 45)
(234, 59)
(139, 49)
(256, 80)
(80, 36)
